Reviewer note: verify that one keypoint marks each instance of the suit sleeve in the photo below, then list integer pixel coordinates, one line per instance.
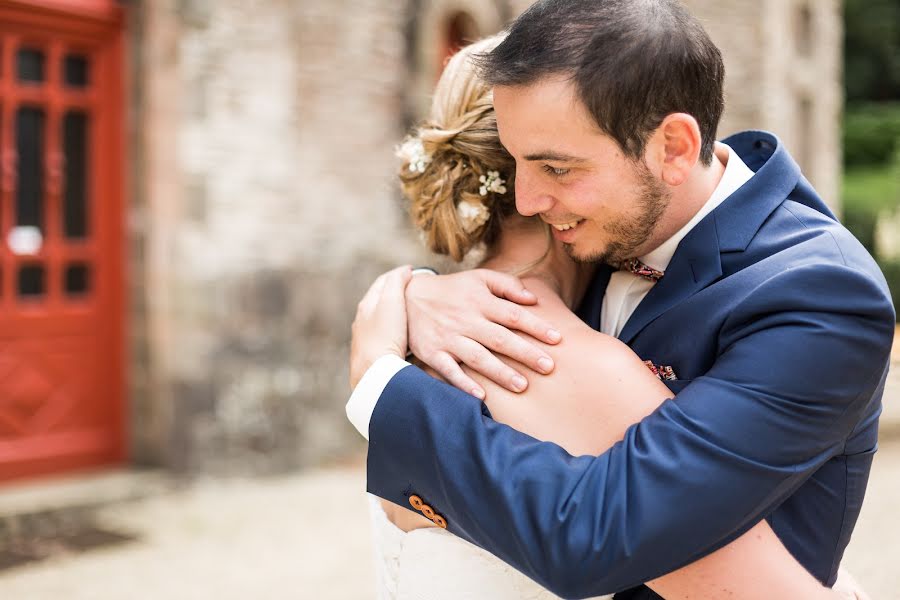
(795, 370)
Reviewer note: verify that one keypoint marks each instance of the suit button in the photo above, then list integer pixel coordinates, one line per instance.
(415, 502)
(428, 511)
(440, 521)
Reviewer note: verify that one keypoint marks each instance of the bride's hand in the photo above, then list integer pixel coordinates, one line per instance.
(380, 324)
(460, 318)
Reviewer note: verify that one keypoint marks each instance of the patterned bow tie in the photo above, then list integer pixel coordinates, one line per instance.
(641, 270)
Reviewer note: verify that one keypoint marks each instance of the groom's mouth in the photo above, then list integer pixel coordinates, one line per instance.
(565, 232)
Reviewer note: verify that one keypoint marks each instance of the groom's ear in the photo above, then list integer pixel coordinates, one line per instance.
(674, 148)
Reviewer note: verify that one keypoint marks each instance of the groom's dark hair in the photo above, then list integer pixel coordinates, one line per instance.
(632, 62)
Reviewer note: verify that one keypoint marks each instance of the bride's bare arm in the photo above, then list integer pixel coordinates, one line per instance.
(599, 388)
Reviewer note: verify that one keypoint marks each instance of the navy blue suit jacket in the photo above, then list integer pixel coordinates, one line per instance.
(779, 325)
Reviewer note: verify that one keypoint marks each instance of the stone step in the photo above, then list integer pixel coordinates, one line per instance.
(52, 508)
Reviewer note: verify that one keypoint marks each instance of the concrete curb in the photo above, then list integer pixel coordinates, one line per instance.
(44, 507)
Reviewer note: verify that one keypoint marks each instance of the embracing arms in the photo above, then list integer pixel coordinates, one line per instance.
(737, 442)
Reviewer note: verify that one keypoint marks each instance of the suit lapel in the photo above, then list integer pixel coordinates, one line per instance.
(591, 306)
(695, 265)
(697, 262)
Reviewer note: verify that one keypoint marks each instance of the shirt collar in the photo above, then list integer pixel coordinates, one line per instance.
(737, 173)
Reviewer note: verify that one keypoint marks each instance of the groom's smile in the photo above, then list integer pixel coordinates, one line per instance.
(565, 232)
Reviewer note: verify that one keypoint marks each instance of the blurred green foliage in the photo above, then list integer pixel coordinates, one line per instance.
(871, 133)
(868, 191)
(871, 128)
(872, 50)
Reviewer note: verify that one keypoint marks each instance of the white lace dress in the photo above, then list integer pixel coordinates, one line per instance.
(434, 564)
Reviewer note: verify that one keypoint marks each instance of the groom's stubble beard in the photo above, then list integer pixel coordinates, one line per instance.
(630, 233)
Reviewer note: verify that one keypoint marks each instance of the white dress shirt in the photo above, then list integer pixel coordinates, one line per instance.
(623, 294)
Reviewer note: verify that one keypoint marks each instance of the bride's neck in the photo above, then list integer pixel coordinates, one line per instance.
(526, 249)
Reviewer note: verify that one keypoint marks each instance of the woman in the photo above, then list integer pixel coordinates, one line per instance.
(458, 180)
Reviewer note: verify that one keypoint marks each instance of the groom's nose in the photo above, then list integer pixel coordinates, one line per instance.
(531, 198)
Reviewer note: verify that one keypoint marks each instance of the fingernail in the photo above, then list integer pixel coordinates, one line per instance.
(519, 383)
(554, 336)
(528, 294)
(478, 393)
(545, 364)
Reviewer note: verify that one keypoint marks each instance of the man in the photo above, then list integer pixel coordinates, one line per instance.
(771, 323)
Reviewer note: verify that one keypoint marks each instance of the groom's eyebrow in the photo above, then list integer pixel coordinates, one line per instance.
(553, 156)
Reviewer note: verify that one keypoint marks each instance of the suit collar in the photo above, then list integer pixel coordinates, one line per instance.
(730, 227)
(734, 176)
(777, 174)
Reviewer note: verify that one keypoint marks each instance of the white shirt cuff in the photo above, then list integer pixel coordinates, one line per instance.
(362, 401)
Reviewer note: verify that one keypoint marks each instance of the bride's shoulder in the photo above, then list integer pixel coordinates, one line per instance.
(550, 306)
(545, 292)
(579, 334)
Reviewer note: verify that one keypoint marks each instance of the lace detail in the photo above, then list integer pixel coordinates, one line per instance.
(433, 564)
(388, 542)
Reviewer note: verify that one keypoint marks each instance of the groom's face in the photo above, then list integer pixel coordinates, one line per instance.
(602, 205)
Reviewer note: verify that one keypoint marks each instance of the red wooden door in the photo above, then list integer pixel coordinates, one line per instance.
(61, 236)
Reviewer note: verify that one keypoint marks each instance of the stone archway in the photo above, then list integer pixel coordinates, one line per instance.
(460, 30)
(443, 27)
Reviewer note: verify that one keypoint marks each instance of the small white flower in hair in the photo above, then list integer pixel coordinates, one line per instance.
(492, 183)
(472, 215)
(413, 152)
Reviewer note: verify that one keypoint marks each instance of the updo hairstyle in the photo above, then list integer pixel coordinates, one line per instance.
(456, 175)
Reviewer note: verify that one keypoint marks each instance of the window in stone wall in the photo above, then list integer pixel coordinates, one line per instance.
(803, 29)
(461, 30)
(805, 132)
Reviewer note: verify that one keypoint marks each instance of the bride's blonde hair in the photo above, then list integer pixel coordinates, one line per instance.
(456, 155)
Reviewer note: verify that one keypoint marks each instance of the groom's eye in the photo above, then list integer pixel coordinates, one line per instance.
(555, 171)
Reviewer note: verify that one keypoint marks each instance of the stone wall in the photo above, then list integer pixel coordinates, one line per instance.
(264, 200)
(783, 73)
(265, 205)
(783, 61)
